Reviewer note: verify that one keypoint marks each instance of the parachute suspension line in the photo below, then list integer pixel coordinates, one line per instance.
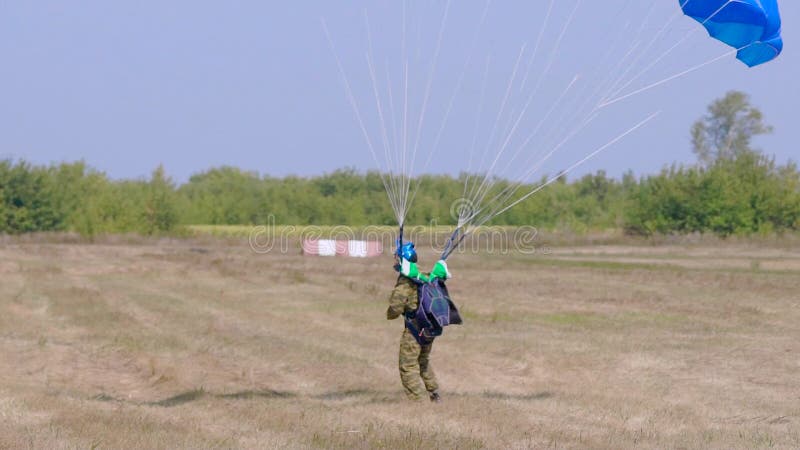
(553, 107)
(603, 85)
(668, 79)
(576, 114)
(576, 165)
(477, 220)
(545, 73)
(500, 198)
(581, 112)
(390, 95)
(557, 46)
(379, 106)
(607, 84)
(644, 52)
(574, 132)
(544, 119)
(487, 182)
(426, 97)
(654, 63)
(404, 173)
(509, 191)
(468, 174)
(392, 159)
(404, 58)
(474, 145)
(460, 81)
(503, 105)
(558, 103)
(357, 112)
(456, 91)
(486, 178)
(621, 32)
(538, 43)
(497, 119)
(579, 163)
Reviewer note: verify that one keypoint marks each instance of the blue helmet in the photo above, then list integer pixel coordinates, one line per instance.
(408, 252)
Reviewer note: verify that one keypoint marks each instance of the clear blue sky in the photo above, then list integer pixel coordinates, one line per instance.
(195, 84)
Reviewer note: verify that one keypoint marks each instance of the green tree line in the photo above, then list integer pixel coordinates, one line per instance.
(734, 189)
(745, 195)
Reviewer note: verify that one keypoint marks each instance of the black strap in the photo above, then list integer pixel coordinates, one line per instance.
(421, 340)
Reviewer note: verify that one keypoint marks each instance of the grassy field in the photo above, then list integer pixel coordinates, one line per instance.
(204, 344)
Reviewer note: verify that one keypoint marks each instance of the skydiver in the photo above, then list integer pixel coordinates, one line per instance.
(415, 349)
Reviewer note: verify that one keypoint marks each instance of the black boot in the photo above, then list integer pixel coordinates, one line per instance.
(435, 398)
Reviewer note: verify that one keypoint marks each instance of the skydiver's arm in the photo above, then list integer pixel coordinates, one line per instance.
(410, 270)
(399, 299)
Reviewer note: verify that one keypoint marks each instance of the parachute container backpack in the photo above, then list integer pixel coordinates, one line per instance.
(435, 311)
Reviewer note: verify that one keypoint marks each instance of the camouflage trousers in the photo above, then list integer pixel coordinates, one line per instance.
(415, 364)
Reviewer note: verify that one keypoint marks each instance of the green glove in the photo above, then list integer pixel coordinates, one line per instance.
(440, 271)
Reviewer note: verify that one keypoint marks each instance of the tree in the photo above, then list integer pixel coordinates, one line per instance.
(224, 196)
(727, 130)
(28, 199)
(160, 212)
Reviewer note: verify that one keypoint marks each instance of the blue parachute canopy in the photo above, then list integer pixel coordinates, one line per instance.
(751, 26)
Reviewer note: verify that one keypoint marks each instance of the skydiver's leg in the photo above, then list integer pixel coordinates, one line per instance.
(431, 385)
(409, 366)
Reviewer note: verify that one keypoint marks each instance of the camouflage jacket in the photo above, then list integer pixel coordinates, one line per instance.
(404, 298)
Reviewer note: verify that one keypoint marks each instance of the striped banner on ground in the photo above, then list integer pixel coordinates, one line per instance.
(332, 247)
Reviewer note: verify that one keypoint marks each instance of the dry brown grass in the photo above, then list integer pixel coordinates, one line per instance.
(167, 345)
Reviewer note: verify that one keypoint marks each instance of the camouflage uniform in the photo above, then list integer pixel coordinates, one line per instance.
(414, 357)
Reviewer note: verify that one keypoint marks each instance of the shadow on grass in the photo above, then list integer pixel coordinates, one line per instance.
(362, 395)
(260, 393)
(494, 395)
(365, 396)
(180, 399)
(345, 394)
(197, 394)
